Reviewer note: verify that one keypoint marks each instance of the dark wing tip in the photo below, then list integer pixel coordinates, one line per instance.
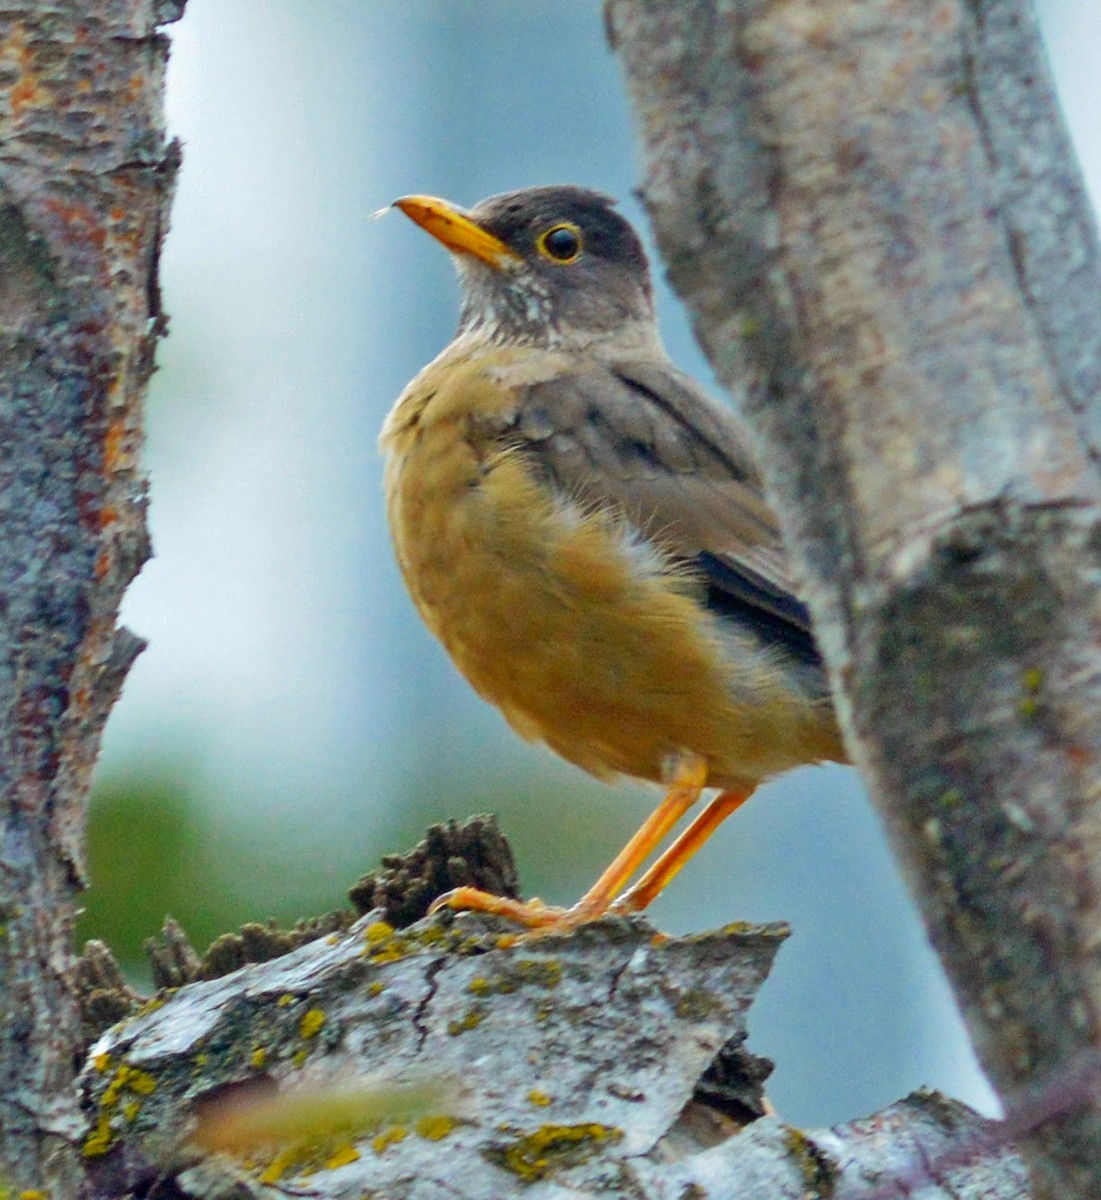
(774, 615)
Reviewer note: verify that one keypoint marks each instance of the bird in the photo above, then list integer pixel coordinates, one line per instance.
(583, 528)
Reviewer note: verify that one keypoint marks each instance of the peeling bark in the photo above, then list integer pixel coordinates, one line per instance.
(873, 213)
(85, 178)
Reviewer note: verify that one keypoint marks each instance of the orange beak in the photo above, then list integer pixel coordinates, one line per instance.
(452, 227)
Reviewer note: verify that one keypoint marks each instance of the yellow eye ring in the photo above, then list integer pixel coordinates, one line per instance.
(562, 243)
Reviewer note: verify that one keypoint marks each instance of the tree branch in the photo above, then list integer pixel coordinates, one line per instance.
(874, 216)
(444, 1061)
(84, 184)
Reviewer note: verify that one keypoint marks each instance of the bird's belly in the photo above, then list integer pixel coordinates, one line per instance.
(582, 635)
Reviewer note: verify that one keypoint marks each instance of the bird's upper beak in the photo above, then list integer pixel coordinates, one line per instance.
(452, 227)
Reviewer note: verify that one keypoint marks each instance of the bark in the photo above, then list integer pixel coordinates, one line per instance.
(84, 183)
(442, 1061)
(456, 1062)
(873, 213)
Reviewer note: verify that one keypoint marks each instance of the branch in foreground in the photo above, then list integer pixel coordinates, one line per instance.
(874, 215)
(446, 1059)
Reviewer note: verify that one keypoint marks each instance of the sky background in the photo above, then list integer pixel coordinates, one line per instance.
(291, 713)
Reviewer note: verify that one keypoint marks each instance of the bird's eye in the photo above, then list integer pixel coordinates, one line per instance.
(561, 243)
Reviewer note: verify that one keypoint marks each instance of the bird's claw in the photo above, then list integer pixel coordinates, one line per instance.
(538, 918)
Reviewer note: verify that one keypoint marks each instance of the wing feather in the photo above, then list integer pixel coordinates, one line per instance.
(645, 440)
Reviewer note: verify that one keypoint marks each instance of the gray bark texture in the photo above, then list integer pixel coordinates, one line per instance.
(444, 1061)
(84, 182)
(873, 214)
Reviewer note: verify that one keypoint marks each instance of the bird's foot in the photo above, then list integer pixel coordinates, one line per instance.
(609, 894)
(538, 918)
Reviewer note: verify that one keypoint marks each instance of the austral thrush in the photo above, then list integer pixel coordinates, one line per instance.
(583, 529)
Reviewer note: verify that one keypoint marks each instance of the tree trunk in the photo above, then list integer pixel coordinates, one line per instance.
(874, 216)
(84, 185)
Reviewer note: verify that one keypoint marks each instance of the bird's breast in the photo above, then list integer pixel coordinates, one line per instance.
(567, 618)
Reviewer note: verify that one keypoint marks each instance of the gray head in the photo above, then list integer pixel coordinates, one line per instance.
(553, 266)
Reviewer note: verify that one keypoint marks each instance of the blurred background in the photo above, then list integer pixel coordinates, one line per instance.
(292, 719)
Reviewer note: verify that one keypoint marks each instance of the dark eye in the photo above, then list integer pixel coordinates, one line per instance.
(562, 243)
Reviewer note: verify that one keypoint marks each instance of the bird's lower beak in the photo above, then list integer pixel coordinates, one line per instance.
(452, 227)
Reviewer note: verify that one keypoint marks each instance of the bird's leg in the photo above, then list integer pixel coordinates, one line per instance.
(687, 779)
(647, 889)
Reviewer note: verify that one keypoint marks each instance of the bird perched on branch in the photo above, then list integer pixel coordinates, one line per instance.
(583, 529)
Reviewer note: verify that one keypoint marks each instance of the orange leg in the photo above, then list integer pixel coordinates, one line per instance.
(688, 779)
(653, 882)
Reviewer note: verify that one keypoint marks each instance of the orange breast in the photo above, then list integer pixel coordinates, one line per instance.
(566, 619)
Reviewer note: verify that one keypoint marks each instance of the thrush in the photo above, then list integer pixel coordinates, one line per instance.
(583, 529)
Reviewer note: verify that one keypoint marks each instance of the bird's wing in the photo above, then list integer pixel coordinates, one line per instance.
(644, 440)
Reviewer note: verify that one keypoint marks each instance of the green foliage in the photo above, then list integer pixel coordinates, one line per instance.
(156, 847)
(149, 855)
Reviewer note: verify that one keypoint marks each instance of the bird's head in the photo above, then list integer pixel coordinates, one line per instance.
(547, 266)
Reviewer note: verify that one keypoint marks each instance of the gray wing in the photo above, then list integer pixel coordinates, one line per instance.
(644, 439)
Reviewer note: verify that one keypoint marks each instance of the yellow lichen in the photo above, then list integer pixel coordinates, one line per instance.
(535, 1155)
(432, 935)
(543, 972)
(97, 1143)
(310, 1025)
(34, 1194)
(383, 945)
(392, 951)
(818, 1170)
(285, 1000)
(471, 1019)
(389, 1137)
(102, 1062)
(127, 1078)
(258, 1058)
(536, 1097)
(342, 1156)
(468, 945)
(434, 1129)
(280, 1164)
(1030, 682)
(696, 1004)
(131, 1109)
(374, 988)
(139, 1081)
(299, 1058)
(739, 929)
